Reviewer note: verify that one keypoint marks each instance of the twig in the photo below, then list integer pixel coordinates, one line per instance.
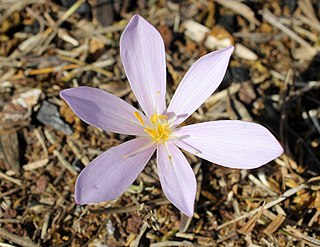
(10, 221)
(19, 5)
(84, 159)
(129, 209)
(12, 180)
(273, 20)
(23, 241)
(10, 192)
(63, 18)
(308, 10)
(261, 185)
(307, 21)
(45, 225)
(48, 70)
(299, 235)
(6, 245)
(41, 141)
(64, 162)
(172, 243)
(136, 242)
(268, 205)
(35, 165)
(102, 226)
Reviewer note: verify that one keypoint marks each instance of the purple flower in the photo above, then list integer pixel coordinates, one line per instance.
(234, 144)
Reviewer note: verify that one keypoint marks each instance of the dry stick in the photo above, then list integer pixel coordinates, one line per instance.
(261, 185)
(64, 162)
(273, 20)
(23, 241)
(84, 159)
(299, 235)
(308, 10)
(307, 21)
(10, 221)
(268, 205)
(19, 5)
(84, 66)
(136, 242)
(10, 192)
(120, 210)
(172, 243)
(41, 141)
(64, 17)
(45, 225)
(10, 179)
(51, 69)
(102, 226)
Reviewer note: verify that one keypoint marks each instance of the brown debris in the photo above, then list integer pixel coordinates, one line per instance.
(248, 227)
(273, 79)
(9, 146)
(275, 224)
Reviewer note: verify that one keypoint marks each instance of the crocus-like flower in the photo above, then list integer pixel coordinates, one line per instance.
(234, 144)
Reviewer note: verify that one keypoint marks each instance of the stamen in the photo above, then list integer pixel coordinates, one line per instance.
(193, 150)
(163, 117)
(158, 128)
(149, 131)
(154, 118)
(144, 148)
(138, 116)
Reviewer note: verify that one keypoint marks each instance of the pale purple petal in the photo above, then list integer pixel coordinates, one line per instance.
(110, 174)
(202, 79)
(143, 57)
(176, 177)
(234, 144)
(103, 110)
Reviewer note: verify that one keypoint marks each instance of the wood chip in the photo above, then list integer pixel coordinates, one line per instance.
(275, 224)
(9, 146)
(35, 165)
(248, 227)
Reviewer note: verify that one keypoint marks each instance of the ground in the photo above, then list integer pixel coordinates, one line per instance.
(273, 79)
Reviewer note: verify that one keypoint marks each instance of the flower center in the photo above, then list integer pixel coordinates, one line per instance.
(159, 130)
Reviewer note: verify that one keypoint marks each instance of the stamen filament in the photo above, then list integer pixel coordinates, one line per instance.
(149, 145)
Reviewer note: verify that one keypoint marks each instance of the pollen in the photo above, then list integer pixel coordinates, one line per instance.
(158, 129)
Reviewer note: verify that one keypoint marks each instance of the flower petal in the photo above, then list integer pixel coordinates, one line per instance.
(103, 110)
(234, 144)
(202, 79)
(176, 177)
(143, 57)
(110, 174)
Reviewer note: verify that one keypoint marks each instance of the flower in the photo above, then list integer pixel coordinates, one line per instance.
(234, 144)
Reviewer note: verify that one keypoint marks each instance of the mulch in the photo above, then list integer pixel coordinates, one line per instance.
(273, 79)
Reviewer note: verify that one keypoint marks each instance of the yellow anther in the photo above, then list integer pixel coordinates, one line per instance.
(150, 132)
(138, 116)
(160, 130)
(154, 118)
(164, 117)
